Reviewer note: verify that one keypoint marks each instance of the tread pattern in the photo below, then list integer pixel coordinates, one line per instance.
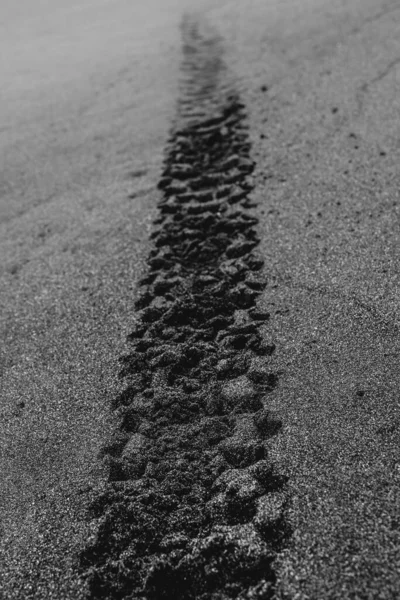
(193, 508)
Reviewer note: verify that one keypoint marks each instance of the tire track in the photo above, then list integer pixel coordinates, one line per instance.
(193, 508)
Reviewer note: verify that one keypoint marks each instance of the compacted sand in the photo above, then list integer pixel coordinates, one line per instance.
(251, 448)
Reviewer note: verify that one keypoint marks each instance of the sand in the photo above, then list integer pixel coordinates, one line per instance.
(85, 126)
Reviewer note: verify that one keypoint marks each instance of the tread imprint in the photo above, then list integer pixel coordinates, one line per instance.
(193, 507)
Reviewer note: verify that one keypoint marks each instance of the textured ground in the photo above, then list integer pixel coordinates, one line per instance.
(273, 450)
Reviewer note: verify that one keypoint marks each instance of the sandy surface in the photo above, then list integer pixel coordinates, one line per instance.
(88, 94)
(87, 97)
(329, 201)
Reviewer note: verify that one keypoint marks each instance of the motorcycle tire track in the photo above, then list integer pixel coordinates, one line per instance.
(194, 508)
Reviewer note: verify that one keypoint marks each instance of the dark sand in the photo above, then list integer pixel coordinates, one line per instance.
(86, 111)
(327, 154)
(320, 84)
